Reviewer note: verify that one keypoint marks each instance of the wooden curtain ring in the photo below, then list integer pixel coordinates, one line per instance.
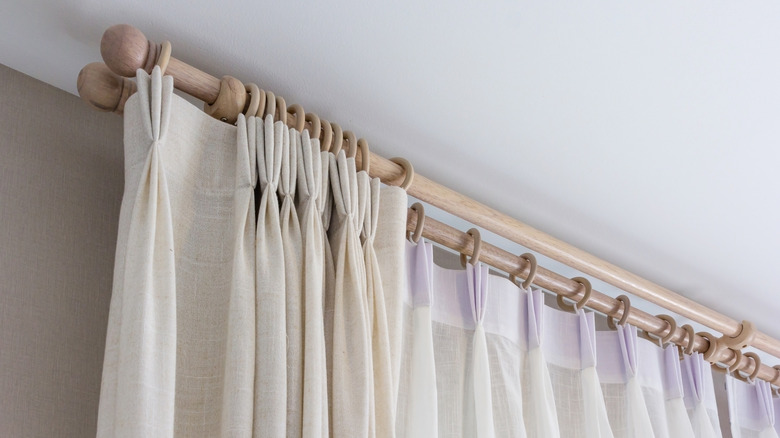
(664, 339)
(365, 154)
(756, 365)
(270, 105)
(408, 171)
(327, 136)
(741, 340)
(477, 248)
(737, 359)
(338, 138)
(531, 259)
(713, 346)
(351, 140)
(300, 116)
(281, 105)
(579, 305)
(164, 57)
(624, 316)
(691, 338)
(777, 374)
(418, 228)
(316, 126)
(230, 101)
(256, 98)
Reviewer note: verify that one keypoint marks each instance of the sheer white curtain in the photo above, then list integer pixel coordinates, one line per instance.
(569, 345)
(311, 316)
(751, 409)
(643, 386)
(699, 396)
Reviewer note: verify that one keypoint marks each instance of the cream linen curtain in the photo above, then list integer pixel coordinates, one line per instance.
(309, 315)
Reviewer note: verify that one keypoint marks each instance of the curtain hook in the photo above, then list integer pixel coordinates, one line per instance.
(477, 248)
(732, 369)
(579, 305)
(756, 366)
(316, 126)
(338, 138)
(270, 104)
(531, 259)
(300, 116)
(365, 154)
(408, 171)
(254, 99)
(624, 316)
(327, 136)
(418, 228)
(164, 57)
(350, 138)
(713, 347)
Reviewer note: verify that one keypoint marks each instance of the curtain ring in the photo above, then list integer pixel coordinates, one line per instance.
(579, 305)
(230, 101)
(624, 316)
(349, 136)
(338, 138)
(477, 248)
(777, 373)
(664, 339)
(270, 104)
(713, 346)
(282, 107)
(300, 116)
(756, 365)
(316, 126)
(737, 359)
(365, 154)
(254, 99)
(408, 171)
(691, 338)
(164, 57)
(531, 259)
(418, 228)
(327, 136)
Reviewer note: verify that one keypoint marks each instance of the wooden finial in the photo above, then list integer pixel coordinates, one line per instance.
(125, 49)
(102, 89)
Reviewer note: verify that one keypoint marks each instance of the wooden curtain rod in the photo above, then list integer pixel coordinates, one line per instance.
(125, 49)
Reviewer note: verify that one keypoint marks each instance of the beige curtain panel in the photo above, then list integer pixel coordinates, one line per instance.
(265, 288)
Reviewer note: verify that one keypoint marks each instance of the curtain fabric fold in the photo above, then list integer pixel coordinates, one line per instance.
(315, 386)
(699, 396)
(751, 409)
(351, 373)
(310, 315)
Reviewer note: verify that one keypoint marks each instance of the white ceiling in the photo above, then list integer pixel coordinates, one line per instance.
(647, 133)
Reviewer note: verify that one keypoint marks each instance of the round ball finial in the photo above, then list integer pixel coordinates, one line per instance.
(100, 88)
(125, 49)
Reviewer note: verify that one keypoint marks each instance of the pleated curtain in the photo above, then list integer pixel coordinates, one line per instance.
(751, 408)
(699, 396)
(264, 287)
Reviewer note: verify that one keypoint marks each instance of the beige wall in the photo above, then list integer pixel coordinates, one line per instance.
(60, 190)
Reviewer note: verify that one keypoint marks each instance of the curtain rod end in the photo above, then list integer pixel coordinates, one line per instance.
(103, 90)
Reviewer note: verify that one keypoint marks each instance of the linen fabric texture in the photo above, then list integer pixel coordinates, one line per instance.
(264, 288)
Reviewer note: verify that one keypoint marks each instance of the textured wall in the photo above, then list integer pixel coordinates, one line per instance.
(60, 191)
